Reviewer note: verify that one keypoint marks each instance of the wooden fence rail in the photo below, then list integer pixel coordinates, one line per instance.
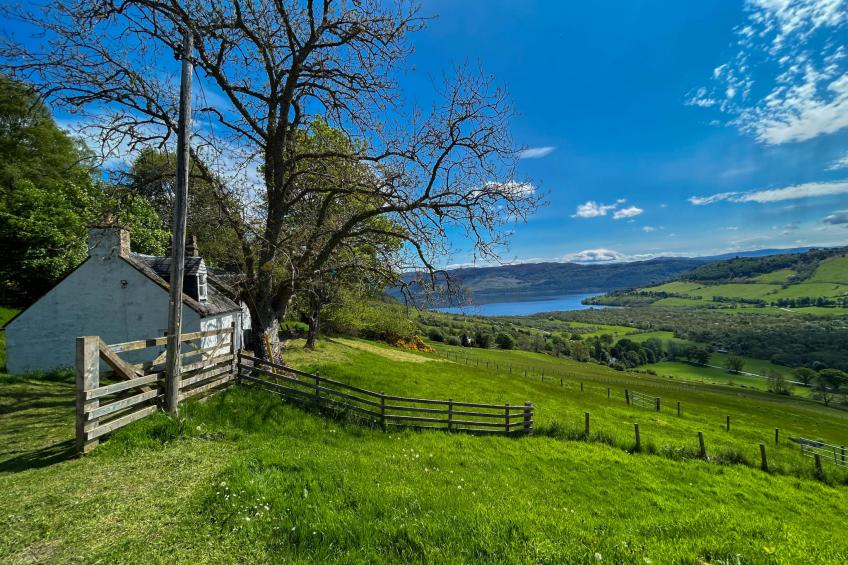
(315, 391)
(104, 408)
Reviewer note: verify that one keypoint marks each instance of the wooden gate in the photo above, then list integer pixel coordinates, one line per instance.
(136, 389)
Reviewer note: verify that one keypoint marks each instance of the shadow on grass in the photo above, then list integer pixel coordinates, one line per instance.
(36, 459)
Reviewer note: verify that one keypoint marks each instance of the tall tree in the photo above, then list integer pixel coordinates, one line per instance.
(271, 66)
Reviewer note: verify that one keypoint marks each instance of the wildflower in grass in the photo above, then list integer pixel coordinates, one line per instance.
(598, 556)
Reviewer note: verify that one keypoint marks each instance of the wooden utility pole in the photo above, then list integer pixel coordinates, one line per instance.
(175, 303)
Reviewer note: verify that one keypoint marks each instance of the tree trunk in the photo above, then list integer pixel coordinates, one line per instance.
(314, 323)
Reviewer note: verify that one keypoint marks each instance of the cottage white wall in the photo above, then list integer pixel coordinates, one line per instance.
(91, 301)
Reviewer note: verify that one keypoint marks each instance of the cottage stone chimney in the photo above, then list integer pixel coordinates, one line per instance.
(108, 241)
(192, 250)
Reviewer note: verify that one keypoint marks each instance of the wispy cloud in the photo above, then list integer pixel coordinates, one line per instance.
(796, 50)
(592, 209)
(838, 218)
(841, 163)
(806, 190)
(629, 212)
(535, 152)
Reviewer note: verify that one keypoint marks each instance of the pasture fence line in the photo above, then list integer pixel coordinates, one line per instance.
(311, 390)
(208, 364)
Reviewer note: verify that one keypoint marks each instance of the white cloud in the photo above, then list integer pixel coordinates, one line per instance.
(649, 229)
(806, 190)
(796, 49)
(595, 256)
(838, 218)
(535, 152)
(592, 209)
(841, 163)
(629, 212)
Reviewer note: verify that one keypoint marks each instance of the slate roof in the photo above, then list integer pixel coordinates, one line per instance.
(216, 302)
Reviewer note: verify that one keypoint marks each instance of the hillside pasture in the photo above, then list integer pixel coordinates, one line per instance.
(244, 477)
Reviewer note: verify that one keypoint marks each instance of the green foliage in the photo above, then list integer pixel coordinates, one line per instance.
(49, 195)
(504, 341)
(734, 364)
(804, 375)
(777, 382)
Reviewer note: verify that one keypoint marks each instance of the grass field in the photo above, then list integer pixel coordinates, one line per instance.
(243, 477)
(830, 280)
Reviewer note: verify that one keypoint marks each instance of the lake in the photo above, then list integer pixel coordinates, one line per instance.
(526, 307)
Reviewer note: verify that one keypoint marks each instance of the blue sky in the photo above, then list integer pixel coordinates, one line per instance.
(654, 127)
(662, 127)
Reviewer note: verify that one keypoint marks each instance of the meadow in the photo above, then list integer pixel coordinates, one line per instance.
(243, 476)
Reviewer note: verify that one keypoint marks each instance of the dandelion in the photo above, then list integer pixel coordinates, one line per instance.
(598, 556)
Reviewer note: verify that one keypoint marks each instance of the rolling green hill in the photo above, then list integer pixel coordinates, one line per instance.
(813, 279)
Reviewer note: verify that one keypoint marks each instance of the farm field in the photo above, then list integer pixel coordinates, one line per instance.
(244, 477)
(829, 280)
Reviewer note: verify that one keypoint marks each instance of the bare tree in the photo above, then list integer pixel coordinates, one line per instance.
(266, 69)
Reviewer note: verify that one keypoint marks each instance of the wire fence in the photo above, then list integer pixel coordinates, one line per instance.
(644, 400)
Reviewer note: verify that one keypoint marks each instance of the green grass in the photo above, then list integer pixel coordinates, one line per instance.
(833, 270)
(779, 276)
(243, 477)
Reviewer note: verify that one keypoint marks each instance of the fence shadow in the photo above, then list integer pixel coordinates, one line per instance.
(38, 458)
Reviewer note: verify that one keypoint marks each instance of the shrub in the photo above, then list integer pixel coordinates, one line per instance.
(436, 335)
(504, 341)
(452, 340)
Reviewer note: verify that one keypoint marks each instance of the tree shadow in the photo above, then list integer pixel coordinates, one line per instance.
(43, 457)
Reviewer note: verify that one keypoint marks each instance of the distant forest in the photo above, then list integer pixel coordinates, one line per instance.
(742, 268)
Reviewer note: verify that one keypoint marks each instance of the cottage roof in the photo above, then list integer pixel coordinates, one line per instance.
(151, 266)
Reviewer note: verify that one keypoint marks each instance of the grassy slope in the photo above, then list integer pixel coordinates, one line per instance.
(829, 280)
(243, 477)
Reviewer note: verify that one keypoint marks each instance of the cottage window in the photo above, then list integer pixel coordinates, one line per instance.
(201, 286)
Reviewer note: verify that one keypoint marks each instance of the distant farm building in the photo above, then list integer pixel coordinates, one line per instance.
(119, 296)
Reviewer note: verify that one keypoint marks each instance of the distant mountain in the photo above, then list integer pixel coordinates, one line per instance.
(531, 281)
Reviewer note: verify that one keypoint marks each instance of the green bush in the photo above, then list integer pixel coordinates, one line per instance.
(504, 341)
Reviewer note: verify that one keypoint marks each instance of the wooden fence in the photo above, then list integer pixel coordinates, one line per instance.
(314, 391)
(138, 388)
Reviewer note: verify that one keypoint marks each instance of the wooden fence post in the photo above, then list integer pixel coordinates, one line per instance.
(560, 381)
(581, 387)
(763, 458)
(528, 418)
(506, 417)
(87, 378)
(450, 414)
(678, 408)
(609, 391)
(587, 425)
(701, 444)
(627, 396)
(657, 400)
(843, 455)
(819, 470)
(383, 410)
(638, 439)
(727, 425)
(317, 391)
(776, 436)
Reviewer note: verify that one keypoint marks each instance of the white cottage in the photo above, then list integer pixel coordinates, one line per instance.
(119, 296)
